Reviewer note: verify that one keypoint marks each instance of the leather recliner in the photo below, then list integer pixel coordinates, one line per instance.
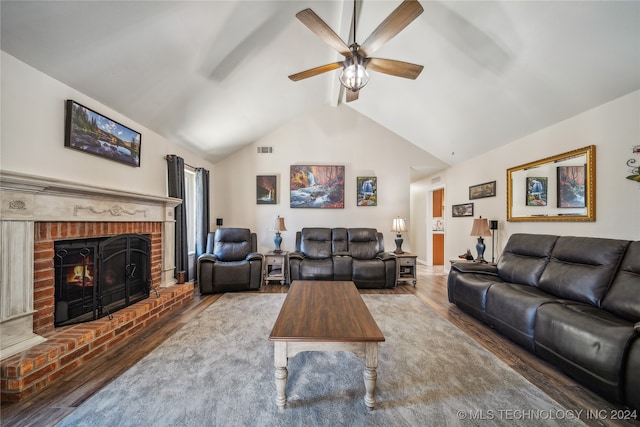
(231, 262)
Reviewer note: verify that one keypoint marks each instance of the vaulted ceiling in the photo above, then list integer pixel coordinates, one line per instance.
(212, 75)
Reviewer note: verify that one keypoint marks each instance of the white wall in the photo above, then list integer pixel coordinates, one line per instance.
(32, 142)
(32, 136)
(325, 136)
(614, 128)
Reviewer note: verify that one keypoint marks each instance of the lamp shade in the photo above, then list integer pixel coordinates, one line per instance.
(480, 228)
(279, 224)
(399, 225)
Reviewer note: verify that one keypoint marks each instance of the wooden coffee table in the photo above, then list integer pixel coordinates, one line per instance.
(325, 316)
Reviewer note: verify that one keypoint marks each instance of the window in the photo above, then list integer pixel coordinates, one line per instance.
(190, 202)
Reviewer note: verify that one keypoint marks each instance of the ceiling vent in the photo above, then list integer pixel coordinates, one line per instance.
(264, 150)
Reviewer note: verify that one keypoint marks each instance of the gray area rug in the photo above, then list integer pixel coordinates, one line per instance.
(218, 371)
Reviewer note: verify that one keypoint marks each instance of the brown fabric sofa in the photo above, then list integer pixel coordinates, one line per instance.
(573, 301)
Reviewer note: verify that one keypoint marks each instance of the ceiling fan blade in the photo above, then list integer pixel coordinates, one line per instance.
(402, 16)
(315, 71)
(394, 68)
(352, 95)
(309, 18)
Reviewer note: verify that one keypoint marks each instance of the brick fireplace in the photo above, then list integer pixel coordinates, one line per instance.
(47, 233)
(35, 213)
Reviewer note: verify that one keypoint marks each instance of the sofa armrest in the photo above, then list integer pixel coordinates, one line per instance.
(296, 255)
(254, 256)
(637, 327)
(475, 267)
(207, 257)
(385, 256)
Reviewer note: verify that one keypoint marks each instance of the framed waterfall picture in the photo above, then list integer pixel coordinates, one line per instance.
(537, 190)
(316, 187)
(91, 132)
(266, 193)
(571, 182)
(367, 190)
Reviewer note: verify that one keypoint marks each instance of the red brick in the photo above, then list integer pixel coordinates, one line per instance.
(45, 370)
(66, 359)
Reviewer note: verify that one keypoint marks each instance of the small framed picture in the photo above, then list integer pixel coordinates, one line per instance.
(480, 191)
(367, 190)
(465, 209)
(266, 191)
(537, 190)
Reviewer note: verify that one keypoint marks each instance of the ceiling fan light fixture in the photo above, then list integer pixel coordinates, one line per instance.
(354, 75)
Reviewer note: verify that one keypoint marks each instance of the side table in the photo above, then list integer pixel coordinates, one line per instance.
(276, 265)
(406, 267)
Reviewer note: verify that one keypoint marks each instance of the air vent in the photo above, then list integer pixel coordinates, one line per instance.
(263, 150)
(435, 180)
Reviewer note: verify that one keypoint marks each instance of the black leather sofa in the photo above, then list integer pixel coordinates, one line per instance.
(573, 301)
(231, 262)
(355, 254)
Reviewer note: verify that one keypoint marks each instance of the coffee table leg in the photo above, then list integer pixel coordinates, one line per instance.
(370, 374)
(280, 363)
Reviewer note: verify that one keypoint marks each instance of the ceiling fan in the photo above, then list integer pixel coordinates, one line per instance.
(354, 68)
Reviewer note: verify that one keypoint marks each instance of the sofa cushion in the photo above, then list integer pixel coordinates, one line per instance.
(369, 273)
(231, 274)
(585, 341)
(363, 243)
(339, 240)
(525, 257)
(511, 309)
(581, 268)
(632, 376)
(315, 243)
(623, 297)
(469, 291)
(316, 269)
(232, 244)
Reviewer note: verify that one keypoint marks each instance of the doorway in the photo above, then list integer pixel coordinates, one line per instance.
(437, 203)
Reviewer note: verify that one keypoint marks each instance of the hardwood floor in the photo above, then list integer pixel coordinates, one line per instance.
(49, 406)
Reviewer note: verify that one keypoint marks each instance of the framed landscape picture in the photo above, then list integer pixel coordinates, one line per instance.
(91, 132)
(266, 190)
(537, 190)
(571, 190)
(316, 187)
(465, 209)
(367, 190)
(480, 191)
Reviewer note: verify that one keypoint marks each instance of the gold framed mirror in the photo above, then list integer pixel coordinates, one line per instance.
(558, 188)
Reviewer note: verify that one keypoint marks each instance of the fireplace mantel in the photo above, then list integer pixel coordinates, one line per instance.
(27, 199)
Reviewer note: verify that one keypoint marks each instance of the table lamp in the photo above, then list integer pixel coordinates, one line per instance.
(278, 227)
(399, 226)
(481, 229)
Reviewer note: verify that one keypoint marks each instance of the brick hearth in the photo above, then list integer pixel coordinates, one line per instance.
(34, 213)
(68, 347)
